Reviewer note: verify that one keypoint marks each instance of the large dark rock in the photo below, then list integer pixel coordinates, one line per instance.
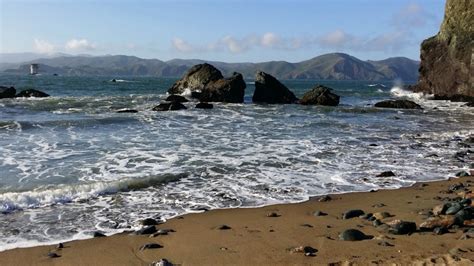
(196, 78)
(204, 105)
(7, 92)
(229, 90)
(447, 59)
(172, 106)
(352, 213)
(353, 235)
(269, 90)
(32, 93)
(400, 104)
(320, 95)
(176, 98)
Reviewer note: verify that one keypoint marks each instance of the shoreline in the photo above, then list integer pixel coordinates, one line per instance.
(273, 234)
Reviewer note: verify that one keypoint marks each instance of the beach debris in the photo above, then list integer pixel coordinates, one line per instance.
(162, 262)
(203, 105)
(386, 174)
(352, 213)
(306, 250)
(319, 213)
(176, 98)
(146, 230)
(353, 235)
(399, 227)
(53, 255)
(150, 246)
(273, 214)
(98, 234)
(224, 227)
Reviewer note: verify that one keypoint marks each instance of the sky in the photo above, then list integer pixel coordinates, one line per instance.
(222, 30)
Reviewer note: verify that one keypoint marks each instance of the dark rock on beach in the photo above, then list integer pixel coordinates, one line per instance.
(162, 262)
(273, 215)
(386, 174)
(320, 95)
(203, 105)
(149, 221)
(352, 213)
(403, 228)
(176, 99)
(173, 106)
(150, 246)
(228, 90)
(98, 234)
(353, 235)
(53, 255)
(31, 93)
(147, 230)
(196, 78)
(269, 90)
(7, 92)
(224, 227)
(399, 104)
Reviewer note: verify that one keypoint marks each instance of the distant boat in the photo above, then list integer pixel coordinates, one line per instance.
(34, 69)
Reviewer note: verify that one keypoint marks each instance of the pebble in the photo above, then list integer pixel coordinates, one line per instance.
(353, 235)
(273, 214)
(146, 230)
(60, 245)
(53, 255)
(352, 213)
(440, 230)
(307, 250)
(150, 246)
(377, 223)
(366, 216)
(454, 208)
(382, 215)
(324, 198)
(224, 227)
(439, 209)
(403, 228)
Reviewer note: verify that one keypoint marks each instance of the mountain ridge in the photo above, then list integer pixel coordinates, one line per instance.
(332, 66)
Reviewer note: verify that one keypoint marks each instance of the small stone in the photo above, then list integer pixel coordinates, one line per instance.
(307, 250)
(146, 230)
(273, 214)
(353, 235)
(379, 205)
(319, 213)
(53, 255)
(439, 209)
(403, 228)
(60, 245)
(386, 174)
(162, 262)
(454, 208)
(324, 198)
(466, 202)
(150, 246)
(366, 216)
(98, 234)
(352, 213)
(382, 215)
(307, 225)
(385, 244)
(440, 231)
(371, 219)
(224, 227)
(377, 223)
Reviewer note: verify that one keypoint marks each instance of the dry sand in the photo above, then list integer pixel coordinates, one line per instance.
(255, 239)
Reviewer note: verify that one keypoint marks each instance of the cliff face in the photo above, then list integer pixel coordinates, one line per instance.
(447, 59)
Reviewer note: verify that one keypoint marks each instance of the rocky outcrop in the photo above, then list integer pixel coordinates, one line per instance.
(400, 104)
(207, 84)
(176, 98)
(32, 93)
(320, 95)
(447, 59)
(203, 105)
(196, 78)
(7, 92)
(229, 90)
(172, 106)
(269, 90)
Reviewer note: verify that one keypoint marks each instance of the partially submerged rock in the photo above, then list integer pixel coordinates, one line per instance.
(320, 95)
(31, 93)
(228, 90)
(203, 105)
(7, 92)
(196, 78)
(399, 104)
(176, 98)
(173, 106)
(269, 90)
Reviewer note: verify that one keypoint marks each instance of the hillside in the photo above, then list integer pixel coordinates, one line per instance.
(334, 66)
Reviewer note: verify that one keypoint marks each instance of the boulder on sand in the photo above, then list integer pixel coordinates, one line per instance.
(269, 90)
(320, 95)
(400, 104)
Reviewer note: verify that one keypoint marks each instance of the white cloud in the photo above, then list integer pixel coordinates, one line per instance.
(43, 47)
(79, 45)
(234, 45)
(182, 46)
(270, 39)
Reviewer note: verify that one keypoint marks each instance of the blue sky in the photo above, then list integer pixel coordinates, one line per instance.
(232, 30)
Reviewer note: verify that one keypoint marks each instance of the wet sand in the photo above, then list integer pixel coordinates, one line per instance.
(254, 238)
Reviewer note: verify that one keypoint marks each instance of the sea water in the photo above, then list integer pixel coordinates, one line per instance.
(71, 165)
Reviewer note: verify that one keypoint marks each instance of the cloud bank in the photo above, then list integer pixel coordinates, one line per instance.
(73, 45)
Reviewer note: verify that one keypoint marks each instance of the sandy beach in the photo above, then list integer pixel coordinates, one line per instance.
(277, 235)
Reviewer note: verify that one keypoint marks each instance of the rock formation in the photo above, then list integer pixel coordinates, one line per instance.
(447, 59)
(7, 92)
(269, 90)
(32, 93)
(400, 104)
(320, 95)
(207, 84)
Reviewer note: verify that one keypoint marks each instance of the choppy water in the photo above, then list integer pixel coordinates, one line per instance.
(70, 164)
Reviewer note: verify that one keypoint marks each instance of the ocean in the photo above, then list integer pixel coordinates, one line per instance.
(71, 165)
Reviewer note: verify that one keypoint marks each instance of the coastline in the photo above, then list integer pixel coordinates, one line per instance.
(255, 238)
